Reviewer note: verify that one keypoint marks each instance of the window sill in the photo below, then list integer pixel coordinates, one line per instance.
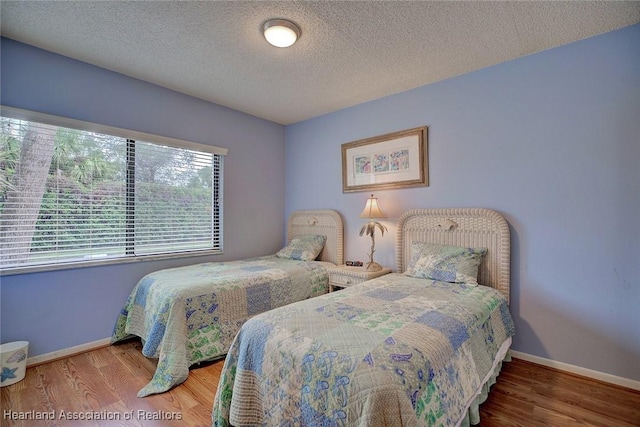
(102, 262)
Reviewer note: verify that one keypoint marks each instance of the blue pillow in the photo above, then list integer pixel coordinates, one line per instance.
(453, 264)
(303, 248)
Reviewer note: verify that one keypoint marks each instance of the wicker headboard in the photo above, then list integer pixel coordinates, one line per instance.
(468, 227)
(322, 222)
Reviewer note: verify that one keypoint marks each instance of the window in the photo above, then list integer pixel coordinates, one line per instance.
(73, 192)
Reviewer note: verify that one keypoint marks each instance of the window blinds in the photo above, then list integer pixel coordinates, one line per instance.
(69, 195)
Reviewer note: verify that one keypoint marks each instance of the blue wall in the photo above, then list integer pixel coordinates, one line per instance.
(61, 309)
(552, 141)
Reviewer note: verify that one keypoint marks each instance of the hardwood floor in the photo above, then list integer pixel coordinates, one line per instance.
(104, 383)
(528, 394)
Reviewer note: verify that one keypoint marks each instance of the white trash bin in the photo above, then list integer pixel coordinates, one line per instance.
(13, 358)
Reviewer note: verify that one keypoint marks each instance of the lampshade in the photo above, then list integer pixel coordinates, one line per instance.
(280, 32)
(372, 209)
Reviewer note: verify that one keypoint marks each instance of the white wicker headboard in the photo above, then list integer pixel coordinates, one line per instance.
(468, 227)
(322, 222)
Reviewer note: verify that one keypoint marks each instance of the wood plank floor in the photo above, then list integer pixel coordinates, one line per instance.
(104, 383)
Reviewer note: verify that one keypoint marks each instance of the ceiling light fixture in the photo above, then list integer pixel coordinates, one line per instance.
(280, 32)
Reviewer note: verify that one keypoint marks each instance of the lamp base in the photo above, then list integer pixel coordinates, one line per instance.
(372, 266)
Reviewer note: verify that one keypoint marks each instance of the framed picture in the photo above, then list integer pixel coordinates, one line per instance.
(394, 160)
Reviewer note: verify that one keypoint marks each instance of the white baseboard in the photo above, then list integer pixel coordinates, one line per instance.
(66, 352)
(589, 373)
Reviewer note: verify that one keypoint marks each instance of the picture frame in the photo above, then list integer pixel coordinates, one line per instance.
(394, 160)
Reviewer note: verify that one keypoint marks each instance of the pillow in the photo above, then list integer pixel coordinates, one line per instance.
(453, 264)
(303, 248)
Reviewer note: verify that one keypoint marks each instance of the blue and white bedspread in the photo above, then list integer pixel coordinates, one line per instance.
(191, 314)
(394, 351)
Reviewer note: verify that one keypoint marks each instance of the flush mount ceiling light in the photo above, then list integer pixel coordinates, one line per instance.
(280, 32)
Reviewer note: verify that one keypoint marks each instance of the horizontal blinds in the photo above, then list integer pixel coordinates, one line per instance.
(69, 195)
(173, 199)
(35, 116)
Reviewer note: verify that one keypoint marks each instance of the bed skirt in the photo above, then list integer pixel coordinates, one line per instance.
(473, 414)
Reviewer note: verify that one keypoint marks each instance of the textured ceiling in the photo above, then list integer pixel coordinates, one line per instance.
(349, 52)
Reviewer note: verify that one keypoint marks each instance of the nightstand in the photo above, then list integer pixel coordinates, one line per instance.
(344, 276)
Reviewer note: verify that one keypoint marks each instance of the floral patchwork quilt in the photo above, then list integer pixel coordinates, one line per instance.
(191, 314)
(393, 351)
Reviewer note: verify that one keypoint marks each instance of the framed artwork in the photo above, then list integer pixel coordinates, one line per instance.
(394, 160)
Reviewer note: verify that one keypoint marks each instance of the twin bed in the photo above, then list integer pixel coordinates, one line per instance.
(418, 347)
(191, 314)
